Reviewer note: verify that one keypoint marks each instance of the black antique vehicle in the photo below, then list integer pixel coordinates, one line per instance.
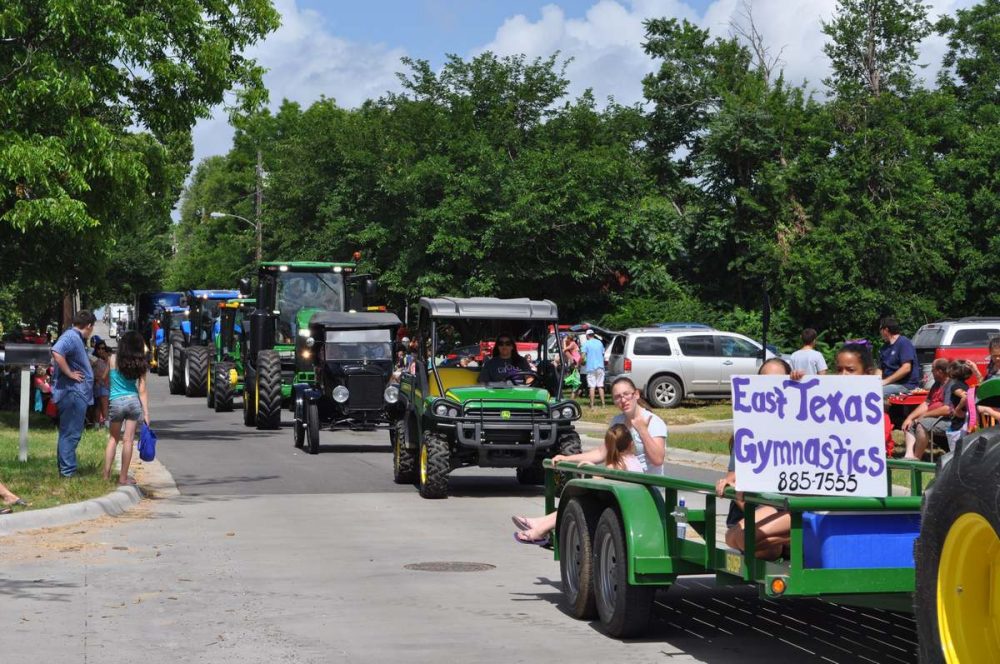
(352, 356)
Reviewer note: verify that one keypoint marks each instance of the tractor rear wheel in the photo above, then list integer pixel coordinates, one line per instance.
(958, 554)
(250, 398)
(196, 371)
(175, 364)
(162, 359)
(435, 463)
(268, 389)
(404, 461)
(222, 386)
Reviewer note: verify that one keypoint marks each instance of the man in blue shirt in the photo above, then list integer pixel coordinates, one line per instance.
(900, 368)
(72, 387)
(593, 350)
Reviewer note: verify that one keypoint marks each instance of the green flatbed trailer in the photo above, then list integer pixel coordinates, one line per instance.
(616, 542)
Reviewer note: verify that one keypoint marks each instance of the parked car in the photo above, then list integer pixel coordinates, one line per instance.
(961, 339)
(669, 365)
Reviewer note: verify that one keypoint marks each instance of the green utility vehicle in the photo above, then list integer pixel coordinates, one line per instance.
(619, 540)
(288, 294)
(225, 366)
(454, 420)
(190, 346)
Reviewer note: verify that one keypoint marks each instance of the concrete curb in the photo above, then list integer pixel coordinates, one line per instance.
(155, 482)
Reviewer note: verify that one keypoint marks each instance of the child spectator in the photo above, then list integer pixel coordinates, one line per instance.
(955, 394)
(620, 452)
(930, 417)
(102, 385)
(807, 359)
(129, 404)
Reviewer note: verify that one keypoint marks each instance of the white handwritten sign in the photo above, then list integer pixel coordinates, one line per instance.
(821, 435)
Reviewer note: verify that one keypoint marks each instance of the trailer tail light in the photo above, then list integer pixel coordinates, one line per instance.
(778, 586)
(628, 364)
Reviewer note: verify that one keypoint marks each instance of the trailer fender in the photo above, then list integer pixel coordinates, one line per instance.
(643, 516)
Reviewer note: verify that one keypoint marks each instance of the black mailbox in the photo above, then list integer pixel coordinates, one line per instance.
(23, 355)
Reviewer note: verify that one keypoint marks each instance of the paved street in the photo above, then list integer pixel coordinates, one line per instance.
(273, 555)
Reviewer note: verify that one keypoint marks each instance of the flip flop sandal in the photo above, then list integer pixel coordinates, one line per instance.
(544, 541)
(521, 523)
(5, 510)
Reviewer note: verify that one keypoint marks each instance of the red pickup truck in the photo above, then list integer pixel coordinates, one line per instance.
(961, 339)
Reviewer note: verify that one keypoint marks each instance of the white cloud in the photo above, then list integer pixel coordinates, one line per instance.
(305, 61)
(606, 43)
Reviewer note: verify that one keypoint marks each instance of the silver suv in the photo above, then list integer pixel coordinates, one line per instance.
(668, 365)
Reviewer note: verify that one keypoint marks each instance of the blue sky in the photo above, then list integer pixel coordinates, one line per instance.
(350, 51)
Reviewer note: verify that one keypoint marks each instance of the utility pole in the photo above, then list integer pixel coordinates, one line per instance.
(260, 203)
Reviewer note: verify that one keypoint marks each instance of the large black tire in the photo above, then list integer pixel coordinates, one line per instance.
(210, 386)
(222, 387)
(250, 398)
(175, 364)
(268, 389)
(531, 475)
(404, 460)
(959, 533)
(435, 464)
(196, 371)
(624, 609)
(312, 427)
(576, 564)
(162, 359)
(664, 392)
(569, 443)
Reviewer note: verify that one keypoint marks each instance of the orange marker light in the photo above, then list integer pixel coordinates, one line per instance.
(357, 256)
(778, 586)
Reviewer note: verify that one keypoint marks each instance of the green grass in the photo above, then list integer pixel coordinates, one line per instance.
(37, 481)
(689, 412)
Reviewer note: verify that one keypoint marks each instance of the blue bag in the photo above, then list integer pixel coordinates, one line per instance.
(147, 443)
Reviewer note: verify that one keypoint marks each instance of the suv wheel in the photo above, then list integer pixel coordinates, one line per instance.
(665, 392)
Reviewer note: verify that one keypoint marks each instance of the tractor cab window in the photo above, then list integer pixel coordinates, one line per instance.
(208, 314)
(358, 345)
(300, 290)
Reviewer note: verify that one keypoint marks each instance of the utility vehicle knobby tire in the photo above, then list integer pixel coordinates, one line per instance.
(576, 557)
(250, 398)
(435, 463)
(195, 371)
(404, 459)
(624, 609)
(222, 386)
(312, 427)
(162, 359)
(665, 392)
(175, 365)
(268, 389)
(958, 545)
(569, 443)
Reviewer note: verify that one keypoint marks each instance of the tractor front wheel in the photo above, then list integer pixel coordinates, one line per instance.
(222, 386)
(435, 463)
(175, 365)
(196, 371)
(268, 389)
(162, 359)
(250, 398)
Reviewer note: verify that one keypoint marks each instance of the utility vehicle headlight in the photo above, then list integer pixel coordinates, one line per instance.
(304, 332)
(310, 342)
(453, 412)
(441, 410)
(568, 412)
(556, 414)
(391, 394)
(341, 394)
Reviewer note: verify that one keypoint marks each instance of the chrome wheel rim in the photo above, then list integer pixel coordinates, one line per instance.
(664, 393)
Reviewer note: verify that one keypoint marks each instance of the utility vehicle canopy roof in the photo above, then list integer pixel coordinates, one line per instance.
(354, 320)
(490, 307)
(215, 294)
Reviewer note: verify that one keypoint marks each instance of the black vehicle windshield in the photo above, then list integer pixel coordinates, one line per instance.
(209, 314)
(299, 290)
(358, 345)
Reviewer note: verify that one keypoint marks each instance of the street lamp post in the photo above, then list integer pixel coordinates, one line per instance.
(255, 225)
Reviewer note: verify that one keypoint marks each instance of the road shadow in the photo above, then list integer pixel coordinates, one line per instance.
(714, 623)
(491, 486)
(42, 590)
(354, 448)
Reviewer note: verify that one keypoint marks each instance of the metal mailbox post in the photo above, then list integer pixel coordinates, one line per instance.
(24, 356)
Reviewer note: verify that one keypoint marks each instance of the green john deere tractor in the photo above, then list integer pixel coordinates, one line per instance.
(473, 402)
(225, 365)
(190, 346)
(275, 355)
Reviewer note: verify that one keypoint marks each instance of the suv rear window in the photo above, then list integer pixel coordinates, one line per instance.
(928, 337)
(974, 337)
(618, 346)
(651, 346)
(697, 345)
